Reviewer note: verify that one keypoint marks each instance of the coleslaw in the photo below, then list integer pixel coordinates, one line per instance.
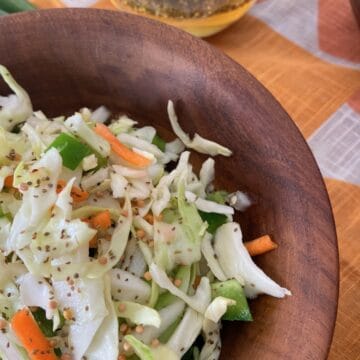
(107, 253)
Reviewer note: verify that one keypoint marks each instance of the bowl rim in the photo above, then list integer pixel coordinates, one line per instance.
(235, 65)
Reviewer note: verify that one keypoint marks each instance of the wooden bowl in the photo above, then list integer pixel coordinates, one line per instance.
(70, 58)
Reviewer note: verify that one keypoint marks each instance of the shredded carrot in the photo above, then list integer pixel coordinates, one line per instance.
(120, 149)
(77, 194)
(8, 182)
(31, 337)
(101, 220)
(260, 245)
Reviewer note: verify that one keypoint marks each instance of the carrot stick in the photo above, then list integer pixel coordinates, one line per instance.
(8, 182)
(101, 220)
(77, 194)
(260, 245)
(120, 149)
(31, 337)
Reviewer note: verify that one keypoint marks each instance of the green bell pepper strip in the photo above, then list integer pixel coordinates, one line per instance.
(214, 220)
(45, 324)
(159, 142)
(232, 289)
(71, 150)
(11, 6)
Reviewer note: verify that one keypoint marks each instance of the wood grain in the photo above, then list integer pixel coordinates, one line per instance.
(67, 59)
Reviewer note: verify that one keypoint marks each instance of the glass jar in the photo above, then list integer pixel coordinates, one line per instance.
(198, 17)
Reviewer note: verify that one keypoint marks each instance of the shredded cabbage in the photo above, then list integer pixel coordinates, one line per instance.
(198, 143)
(144, 352)
(237, 263)
(121, 261)
(137, 313)
(186, 332)
(198, 302)
(15, 108)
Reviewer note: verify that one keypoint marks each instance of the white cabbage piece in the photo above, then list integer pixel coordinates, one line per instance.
(47, 130)
(212, 347)
(89, 162)
(146, 133)
(87, 303)
(156, 171)
(36, 291)
(100, 115)
(198, 143)
(37, 145)
(137, 264)
(236, 263)
(61, 235)
(67, 175)
(217, 308)
(81, 336)
(87, 298)
(198, 302)
(8, 348)
(13, 145)
(207, 172)
(180, 241)
(122, 125)
(173, 150)
(137, 313)
(91, 269)
(36, 203)
(239, 200)
(131, 173)
(139, 190)
(161, 194)
(186, 332)
(136, 142)
(208, 206)
(127, 287)
(119, 185)
(141, 223)
(147, 252)
(104, 199)
(77, 125)
(129, 252)
(168, 316)
(145, 352)
(5, 226)
(9, 296)
(15, 108)
(209, 255)
(105, 343)
(91, 180)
